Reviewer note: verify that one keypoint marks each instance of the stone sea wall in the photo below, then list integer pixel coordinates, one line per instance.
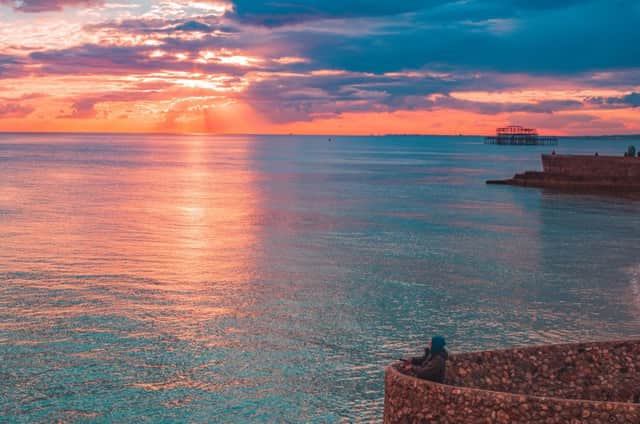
(580, 172)
(589, 382)
(596, 167)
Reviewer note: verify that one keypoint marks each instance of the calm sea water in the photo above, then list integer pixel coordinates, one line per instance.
(239, 279)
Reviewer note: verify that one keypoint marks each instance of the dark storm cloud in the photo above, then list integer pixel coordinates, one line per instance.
(562, 40)
(535, 37)
(629, 100)
(278, 13)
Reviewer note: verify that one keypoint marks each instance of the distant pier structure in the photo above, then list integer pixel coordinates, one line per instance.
(520, 136)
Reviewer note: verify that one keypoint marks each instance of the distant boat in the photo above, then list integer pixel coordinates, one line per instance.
(520, 136)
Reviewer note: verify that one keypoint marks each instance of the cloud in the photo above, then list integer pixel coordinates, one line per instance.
(193, 26)
(14, 110)
(37, 6)
(11, 66)
(492, 108)
(26, 96)
(294, 60)
(83, 109)
(161, 26)
(278, 13)
(92, 59)
(505, 36)
(567, 39)
(306, 97)
(629, 100)
(579, 123)
(168, 93)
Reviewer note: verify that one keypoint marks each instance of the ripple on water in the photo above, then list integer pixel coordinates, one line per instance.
(245, 279)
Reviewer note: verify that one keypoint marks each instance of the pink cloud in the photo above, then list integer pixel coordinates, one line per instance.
(36, 6)
(82, 109)
(13, 110)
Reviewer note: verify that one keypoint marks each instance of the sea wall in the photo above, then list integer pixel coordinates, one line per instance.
(596, 167)
(589, 382)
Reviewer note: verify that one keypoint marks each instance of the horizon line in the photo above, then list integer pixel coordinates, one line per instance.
(289, 134)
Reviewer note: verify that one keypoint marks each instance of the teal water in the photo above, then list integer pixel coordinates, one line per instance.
(241, 279)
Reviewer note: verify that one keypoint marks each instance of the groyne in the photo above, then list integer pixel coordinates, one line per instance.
(596, 167)
(571, 383)
(581, 172)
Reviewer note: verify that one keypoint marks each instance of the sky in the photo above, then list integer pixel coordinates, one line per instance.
(320, 66)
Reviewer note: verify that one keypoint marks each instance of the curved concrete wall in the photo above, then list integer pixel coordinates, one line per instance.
(590, 382)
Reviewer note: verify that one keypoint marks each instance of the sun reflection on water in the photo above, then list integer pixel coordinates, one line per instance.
(272, 278)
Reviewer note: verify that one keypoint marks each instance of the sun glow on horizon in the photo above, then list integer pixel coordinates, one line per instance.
(189, 65)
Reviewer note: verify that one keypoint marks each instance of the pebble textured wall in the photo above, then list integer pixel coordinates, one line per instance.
(579, 172)
(592, 166)
(589, 382)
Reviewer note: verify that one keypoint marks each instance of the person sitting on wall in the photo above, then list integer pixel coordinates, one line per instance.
(431, 366)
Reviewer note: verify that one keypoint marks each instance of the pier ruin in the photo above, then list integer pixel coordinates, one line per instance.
(520, 136)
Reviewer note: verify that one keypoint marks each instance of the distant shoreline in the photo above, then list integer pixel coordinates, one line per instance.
(615, 136)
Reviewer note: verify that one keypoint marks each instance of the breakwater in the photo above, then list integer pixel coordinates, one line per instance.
(596, 167)
(587, 382)
(615, 173)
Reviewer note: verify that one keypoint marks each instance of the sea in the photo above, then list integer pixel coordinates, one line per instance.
(201, 278)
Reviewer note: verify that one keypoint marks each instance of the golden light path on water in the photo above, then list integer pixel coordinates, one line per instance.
(171, 227)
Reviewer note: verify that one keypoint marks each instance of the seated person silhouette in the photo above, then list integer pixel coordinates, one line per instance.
(431, 366)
